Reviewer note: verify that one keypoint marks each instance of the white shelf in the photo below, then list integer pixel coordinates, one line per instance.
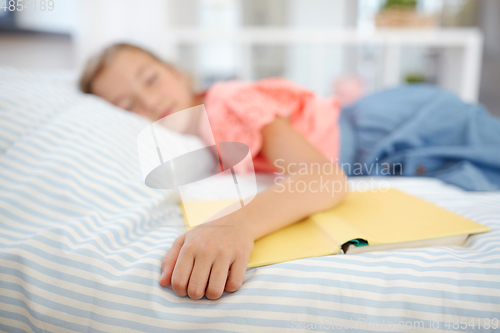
(423, 37)
(469, 41)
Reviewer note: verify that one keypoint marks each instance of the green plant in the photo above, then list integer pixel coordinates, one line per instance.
(415, 78)
(400, 4)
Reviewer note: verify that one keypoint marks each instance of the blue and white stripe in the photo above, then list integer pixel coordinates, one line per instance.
(82, 239)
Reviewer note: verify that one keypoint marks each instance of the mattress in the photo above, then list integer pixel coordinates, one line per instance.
(82, 239)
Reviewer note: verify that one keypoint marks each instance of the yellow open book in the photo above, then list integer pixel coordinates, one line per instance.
(382, 220)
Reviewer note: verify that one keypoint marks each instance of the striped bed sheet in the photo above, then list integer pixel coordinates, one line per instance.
(82, 239)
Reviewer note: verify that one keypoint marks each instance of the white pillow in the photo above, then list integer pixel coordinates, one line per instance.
(48, 104)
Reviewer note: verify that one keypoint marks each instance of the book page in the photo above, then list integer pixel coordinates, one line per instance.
(392, 217)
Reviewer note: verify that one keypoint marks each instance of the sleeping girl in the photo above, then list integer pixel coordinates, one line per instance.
(423, 130)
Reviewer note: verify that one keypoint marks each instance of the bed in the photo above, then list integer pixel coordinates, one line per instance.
(82, 238)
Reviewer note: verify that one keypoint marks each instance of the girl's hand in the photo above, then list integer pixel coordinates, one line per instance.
(200, 260)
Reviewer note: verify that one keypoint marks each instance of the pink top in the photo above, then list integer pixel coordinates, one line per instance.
(238, 110)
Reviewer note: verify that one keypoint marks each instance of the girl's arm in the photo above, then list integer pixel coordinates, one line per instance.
(199, 261)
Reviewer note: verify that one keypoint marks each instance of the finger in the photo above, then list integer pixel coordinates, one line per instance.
(236, 275)
(168, 263)
(182, 272)
(218, 278)
(199, 277)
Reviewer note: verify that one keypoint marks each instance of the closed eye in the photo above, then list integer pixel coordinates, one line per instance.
(152, 79)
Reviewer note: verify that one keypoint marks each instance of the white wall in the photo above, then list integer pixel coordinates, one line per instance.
(58, 20)
(218, 58)
(99, 23)
(317, 67)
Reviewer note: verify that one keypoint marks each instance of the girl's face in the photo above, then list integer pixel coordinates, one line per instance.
(139, 83)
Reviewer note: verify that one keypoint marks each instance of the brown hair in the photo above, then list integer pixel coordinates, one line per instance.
(96, 64)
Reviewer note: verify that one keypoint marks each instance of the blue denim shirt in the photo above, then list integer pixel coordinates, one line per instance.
(420, 130)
